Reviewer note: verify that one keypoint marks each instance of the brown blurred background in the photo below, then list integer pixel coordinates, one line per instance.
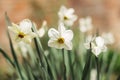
(105, 14)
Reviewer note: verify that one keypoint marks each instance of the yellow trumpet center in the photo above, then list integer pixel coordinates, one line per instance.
(65, 18)
(61, 40)
(21, 35)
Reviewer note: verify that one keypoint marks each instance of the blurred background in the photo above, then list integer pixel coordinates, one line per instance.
(105, 15)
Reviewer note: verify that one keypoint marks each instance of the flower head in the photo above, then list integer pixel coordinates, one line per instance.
(22, 32)
(108, 37)
(97, 45)
(85, 24)
(66, 16)
(60, 38)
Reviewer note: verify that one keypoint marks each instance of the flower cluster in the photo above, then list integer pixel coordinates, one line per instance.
(97, 44)
(60, 38)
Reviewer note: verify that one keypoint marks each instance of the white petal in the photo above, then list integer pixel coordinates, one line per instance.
(88, 20)
(54, 43)
(61, 12)
(25, 25)
(68, 45)
(53, 33)
(104, 49)
(32, 35)
(83, 28)
(27, 40)
(70, 10)
(14, 28)
(99, 41)
(109, 38)
(17, 39)
(61, 28)
(41, 32)
(68, 35)
(96, 51)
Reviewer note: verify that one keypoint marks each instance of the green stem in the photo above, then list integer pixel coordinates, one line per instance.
(87, 65)
(70, 63)
(64, 67)
(98, 69)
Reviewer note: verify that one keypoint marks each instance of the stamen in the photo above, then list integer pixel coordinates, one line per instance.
(65, 18)
(60, 40)
(21, 35)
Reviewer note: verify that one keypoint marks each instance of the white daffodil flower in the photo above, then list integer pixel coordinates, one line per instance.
(60, 38)
(22, 32)
(42, 30)
(66, 16)
(97, 45)
(85, 24)
(108, 37)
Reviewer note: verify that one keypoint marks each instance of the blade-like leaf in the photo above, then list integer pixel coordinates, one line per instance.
(40, 52)
(7, 57)
(8, 22)
(87, 65)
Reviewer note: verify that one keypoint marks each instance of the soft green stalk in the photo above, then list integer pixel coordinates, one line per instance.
(70, 64)
(87, 65)
(64, 66)
(98, 69)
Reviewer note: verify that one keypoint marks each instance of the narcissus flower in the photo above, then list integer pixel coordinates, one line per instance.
(22, 32)
(85, 24)
(108, 37)
(60, 38)
(97, 45)
(66, 16)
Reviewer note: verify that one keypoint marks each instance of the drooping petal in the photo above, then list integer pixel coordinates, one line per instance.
(53, 33)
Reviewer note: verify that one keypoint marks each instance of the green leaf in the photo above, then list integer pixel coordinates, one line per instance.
(40, 52)
(87, 65)
(8, 22)
(7, 57)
